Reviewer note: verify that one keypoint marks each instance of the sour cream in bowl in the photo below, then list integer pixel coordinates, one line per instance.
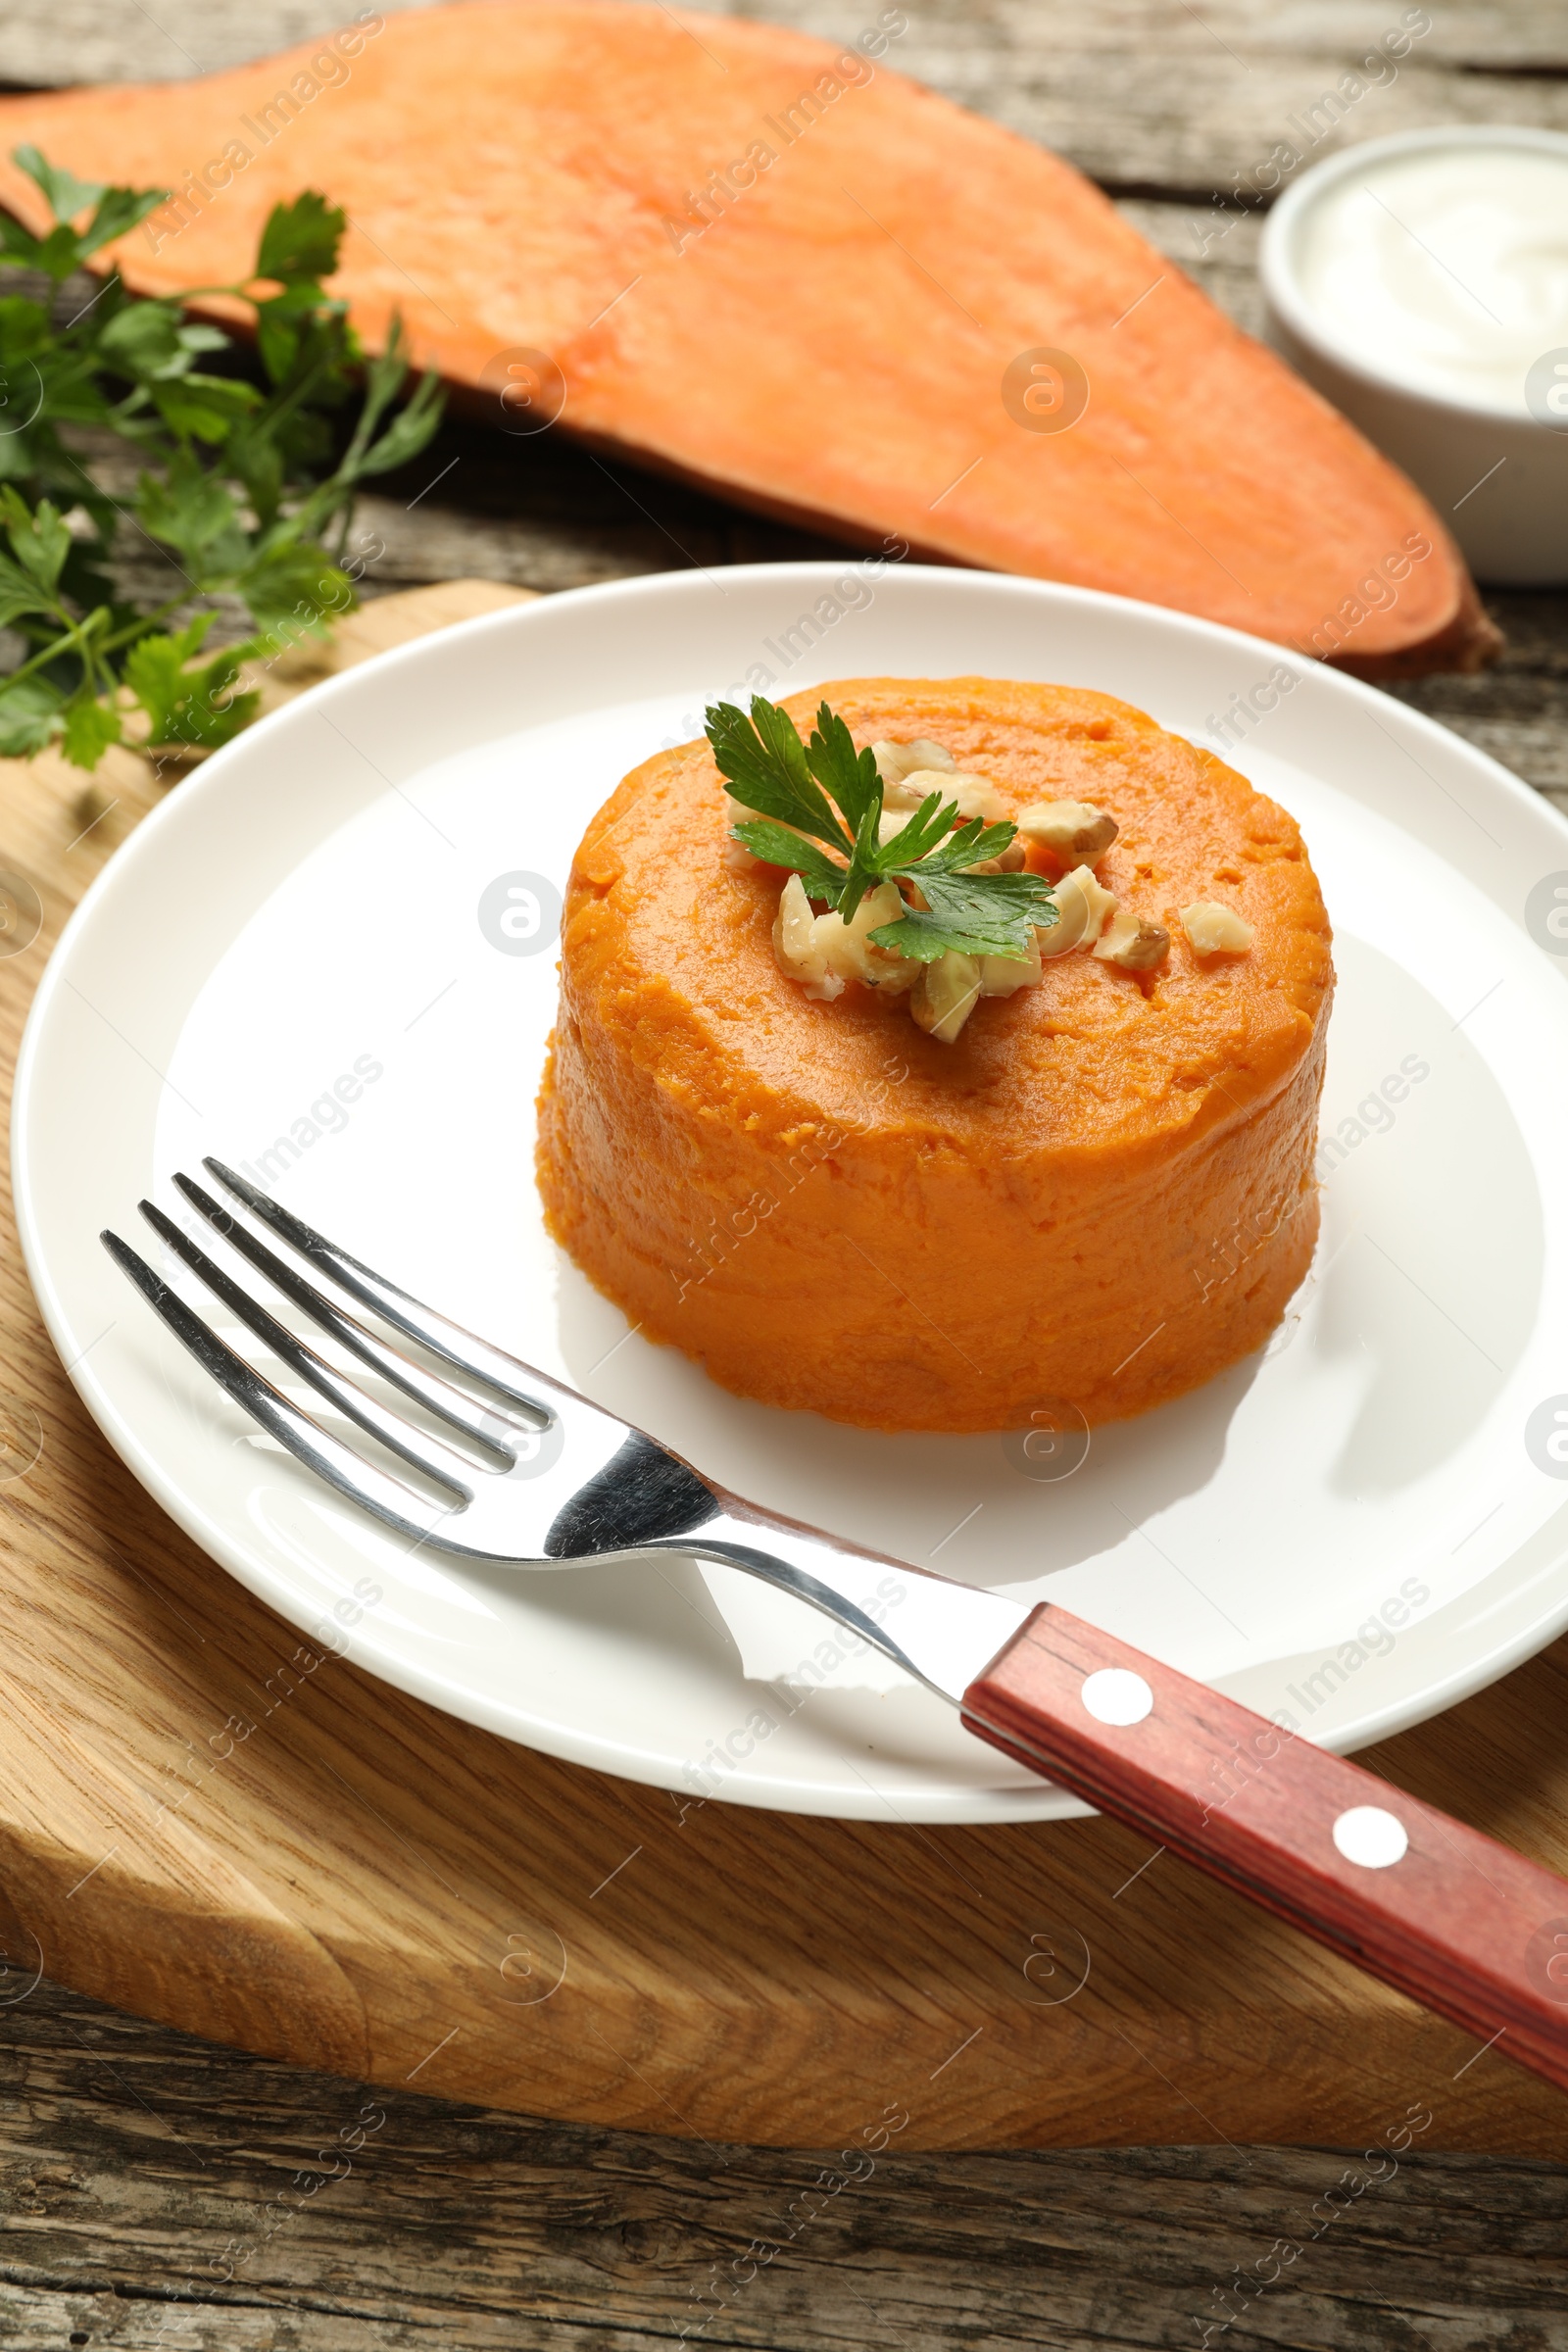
(1421, 283)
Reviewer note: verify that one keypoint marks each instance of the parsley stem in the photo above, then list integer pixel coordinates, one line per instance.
(145, 621)
(75, 638)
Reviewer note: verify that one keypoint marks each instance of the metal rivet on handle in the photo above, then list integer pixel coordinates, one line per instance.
(1371, 1836)
(1115, 1694)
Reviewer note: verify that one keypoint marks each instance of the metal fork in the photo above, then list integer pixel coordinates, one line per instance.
(544, 1479)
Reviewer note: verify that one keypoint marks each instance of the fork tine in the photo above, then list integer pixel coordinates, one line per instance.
(303, 1361)
(436, 1395)
(443, 1338)
(341, 1467)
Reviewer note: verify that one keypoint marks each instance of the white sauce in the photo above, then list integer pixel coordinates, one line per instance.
(1447, 270)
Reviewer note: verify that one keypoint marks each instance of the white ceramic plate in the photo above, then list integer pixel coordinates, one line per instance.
(1355, 1529)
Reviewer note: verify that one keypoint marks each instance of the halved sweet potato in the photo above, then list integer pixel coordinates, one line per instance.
(790, 272)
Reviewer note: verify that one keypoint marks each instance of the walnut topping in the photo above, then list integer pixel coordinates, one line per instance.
(823, 951)
(1070, 828)
(1133, 942)
(976, 796)
(1005, 976)
(1216, 930)
(1072, 920)
(847, 945)
(795, 943)
(911, 771)
(896, 760)
(946, 993)
(1082, 905)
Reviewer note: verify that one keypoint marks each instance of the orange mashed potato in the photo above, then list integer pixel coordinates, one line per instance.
(1098, 1196)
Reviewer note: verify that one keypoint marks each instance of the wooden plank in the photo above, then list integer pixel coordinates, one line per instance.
(1143, 96)
(207, 1820)
(138, 2165)
(130, 2156)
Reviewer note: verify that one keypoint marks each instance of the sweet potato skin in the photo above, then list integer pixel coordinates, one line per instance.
(790, 272)
(1100, 1195)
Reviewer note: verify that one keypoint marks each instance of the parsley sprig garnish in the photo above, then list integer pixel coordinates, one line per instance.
(831, 792)
(239, 483)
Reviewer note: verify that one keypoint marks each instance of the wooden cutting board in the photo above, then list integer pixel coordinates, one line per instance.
(203, 1821)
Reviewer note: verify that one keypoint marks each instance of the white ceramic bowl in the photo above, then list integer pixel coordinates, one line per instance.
(1495, 473)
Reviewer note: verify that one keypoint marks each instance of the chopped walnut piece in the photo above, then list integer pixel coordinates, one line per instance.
(944, 994)
(796, 946)
(1005, 976)
(1101, 902)
(1072, 919)
(1216, 930)
(976, 796)
(823, 951)
(896, 760)
(1012, 861)
(1133, 942)
(1070, 828)
(848, 947)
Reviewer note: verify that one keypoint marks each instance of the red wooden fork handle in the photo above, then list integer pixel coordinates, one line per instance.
(1450, 1917)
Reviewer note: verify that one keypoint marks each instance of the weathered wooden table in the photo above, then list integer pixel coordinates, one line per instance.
(137, 2164)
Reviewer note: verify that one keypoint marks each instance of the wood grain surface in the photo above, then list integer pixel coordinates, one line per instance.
(131, 2155)
(164, 2196)
(210, 1822)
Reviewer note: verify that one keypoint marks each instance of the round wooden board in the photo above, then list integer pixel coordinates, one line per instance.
(204, 1821)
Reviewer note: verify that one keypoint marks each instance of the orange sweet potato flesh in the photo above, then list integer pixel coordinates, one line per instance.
(1099, 1196)
(828, 341)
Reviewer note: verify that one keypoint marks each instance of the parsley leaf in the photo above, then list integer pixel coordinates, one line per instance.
(40, 542)
(848, 774)
(188, 705)
(240, 484)
(831, 792)
(65, 249)
(87, 730)
(765, 760)
(301, 240)
(117, 212)
(777, 844)
(978, 915)
(28, 716)
(63, 194)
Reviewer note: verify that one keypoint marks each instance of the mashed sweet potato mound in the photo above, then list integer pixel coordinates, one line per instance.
(1099, 1196)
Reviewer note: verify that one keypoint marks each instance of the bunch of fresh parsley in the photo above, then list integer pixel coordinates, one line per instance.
(830, 792)
(237, 487)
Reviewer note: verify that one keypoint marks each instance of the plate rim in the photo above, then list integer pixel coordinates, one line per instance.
(212, 778)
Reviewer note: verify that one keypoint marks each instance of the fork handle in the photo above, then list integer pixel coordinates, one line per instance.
(1462, 1924)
